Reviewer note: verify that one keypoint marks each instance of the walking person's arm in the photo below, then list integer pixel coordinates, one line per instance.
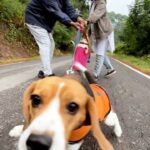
(70, 10)
(99, 11)
(72, 13)
(52, 6)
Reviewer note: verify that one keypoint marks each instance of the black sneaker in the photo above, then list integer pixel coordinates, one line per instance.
(51, 75)
(109, 73)
(95, 78)
(41, 75)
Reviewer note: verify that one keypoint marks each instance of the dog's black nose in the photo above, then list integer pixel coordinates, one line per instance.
(39, 142)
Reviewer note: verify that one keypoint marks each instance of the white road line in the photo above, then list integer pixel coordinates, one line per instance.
(137, 71)
(18, 78)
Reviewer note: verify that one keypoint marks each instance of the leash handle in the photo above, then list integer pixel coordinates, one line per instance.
(84, 35)
(78, 37)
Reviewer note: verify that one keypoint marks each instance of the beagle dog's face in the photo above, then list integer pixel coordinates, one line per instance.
(52, 107)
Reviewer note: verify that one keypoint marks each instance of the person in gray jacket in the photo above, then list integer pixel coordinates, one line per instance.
(102, 32)
(40, 18)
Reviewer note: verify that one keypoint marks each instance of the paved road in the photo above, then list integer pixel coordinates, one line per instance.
(128, 90)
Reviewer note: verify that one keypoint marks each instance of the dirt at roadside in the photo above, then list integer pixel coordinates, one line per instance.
(11, 50)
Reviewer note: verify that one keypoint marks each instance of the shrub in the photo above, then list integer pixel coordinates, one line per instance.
(120, 48)
(63, 37)
(11, 12)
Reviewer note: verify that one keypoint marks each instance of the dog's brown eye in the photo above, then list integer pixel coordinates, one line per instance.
(36, 100)
(72, 108)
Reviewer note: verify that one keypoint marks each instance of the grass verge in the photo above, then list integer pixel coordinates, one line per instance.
(16, 60)
(57, 53)
(140, 63)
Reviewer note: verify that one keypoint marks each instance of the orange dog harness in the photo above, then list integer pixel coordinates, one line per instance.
(103, 106)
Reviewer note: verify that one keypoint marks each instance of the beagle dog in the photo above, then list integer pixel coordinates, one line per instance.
(55, 107)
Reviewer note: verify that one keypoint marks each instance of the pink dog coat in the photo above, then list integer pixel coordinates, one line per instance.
(82, 54)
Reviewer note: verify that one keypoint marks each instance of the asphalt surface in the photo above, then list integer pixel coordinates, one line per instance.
(129, 93)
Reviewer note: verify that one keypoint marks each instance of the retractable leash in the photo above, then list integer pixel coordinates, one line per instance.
(77, 41)
(78, 55)
(84, 34)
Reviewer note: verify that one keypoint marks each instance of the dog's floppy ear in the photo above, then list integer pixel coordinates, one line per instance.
(97, 132)
(26, 106)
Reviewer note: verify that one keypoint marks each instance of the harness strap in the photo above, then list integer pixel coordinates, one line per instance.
(85, 82)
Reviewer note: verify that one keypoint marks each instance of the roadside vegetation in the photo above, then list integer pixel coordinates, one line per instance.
(12, 16)
(142, 64)
(133, 35)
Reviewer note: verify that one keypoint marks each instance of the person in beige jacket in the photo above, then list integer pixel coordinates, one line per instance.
(103, 35)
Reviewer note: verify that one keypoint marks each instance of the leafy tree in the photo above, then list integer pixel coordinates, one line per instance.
(118, 22)
(137, 30)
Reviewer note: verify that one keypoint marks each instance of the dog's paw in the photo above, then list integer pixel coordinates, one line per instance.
(118, 130)
(75, 146)
(16, 131)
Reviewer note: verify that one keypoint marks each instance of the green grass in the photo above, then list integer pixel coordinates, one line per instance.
(140, 63)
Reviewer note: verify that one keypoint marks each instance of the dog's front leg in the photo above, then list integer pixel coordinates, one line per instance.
(112, 120)
(16, 131)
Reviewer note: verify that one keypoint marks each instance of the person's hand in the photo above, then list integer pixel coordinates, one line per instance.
(86, 22)
(81, 21)
(76, 25)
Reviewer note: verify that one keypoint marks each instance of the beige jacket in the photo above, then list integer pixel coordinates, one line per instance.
(102, 24)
